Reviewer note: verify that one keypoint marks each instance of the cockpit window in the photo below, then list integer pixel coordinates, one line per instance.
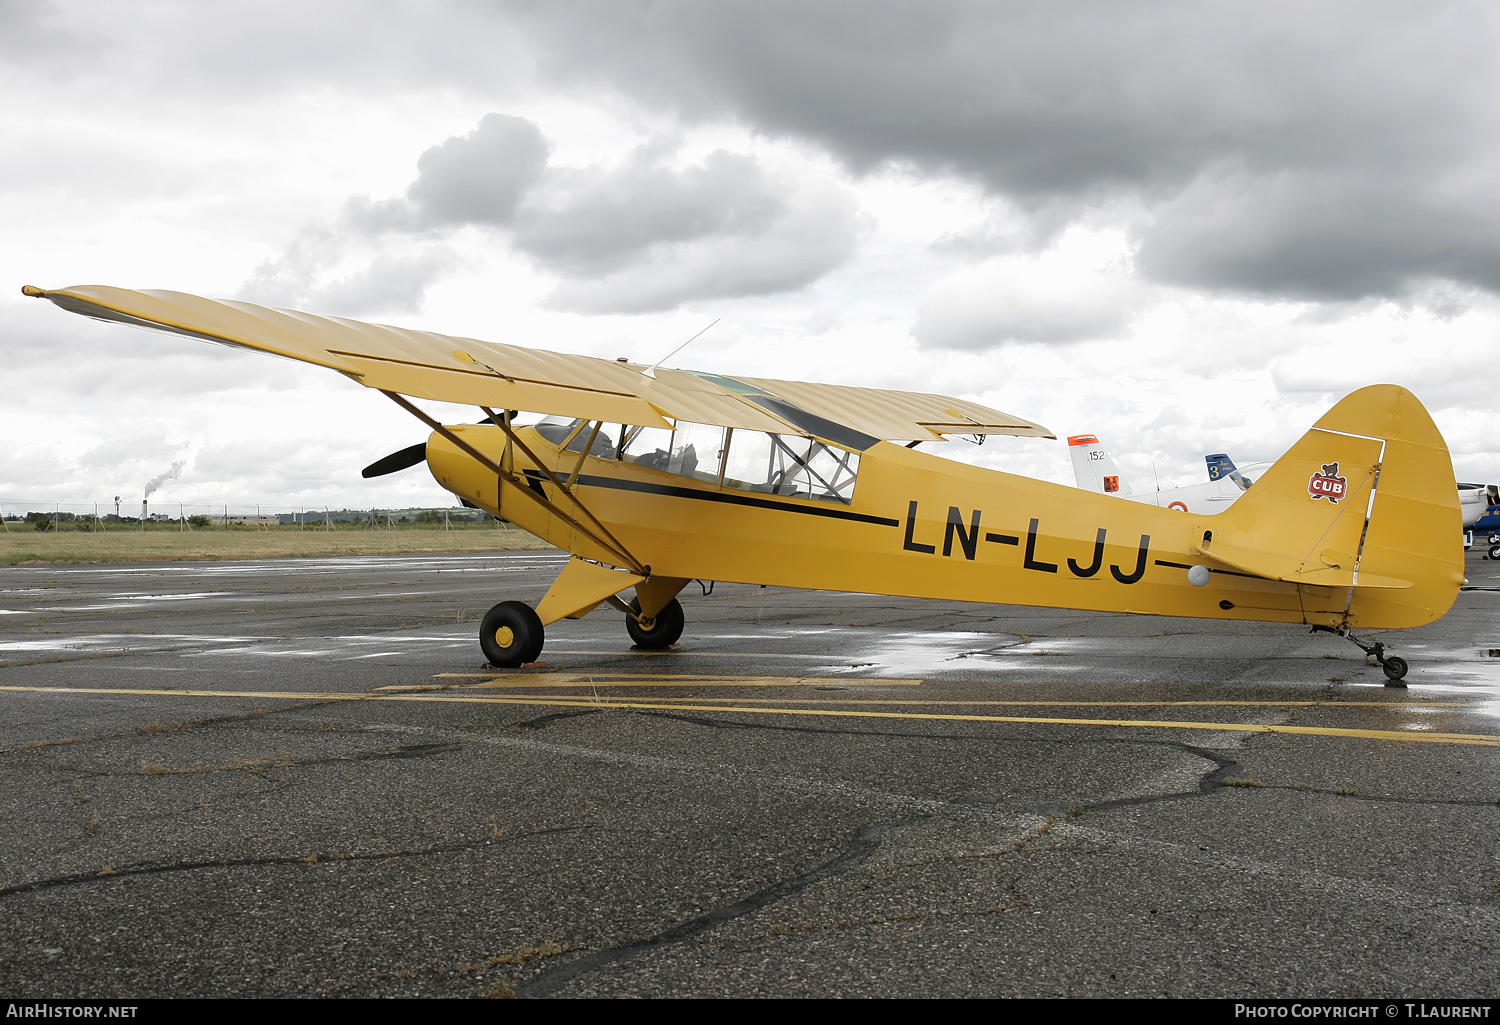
(781, 464)
(650, 447)
(772, 464)
(577, 433)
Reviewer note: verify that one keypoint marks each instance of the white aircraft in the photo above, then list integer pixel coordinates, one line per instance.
(1095, 471)
(1474, 502)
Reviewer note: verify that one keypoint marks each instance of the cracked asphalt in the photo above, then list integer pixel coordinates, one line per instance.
(296, 778)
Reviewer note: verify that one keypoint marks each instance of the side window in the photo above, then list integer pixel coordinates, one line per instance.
(749, 466)
(648, 446)
(773, 464)
(787, 465)
(830, 472)
(697, 450)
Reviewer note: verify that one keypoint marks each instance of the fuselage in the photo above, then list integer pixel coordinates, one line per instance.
(914, 524)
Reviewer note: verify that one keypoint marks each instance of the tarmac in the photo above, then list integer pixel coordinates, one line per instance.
(297, 778)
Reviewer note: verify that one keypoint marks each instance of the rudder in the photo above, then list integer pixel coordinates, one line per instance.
(1362, 512)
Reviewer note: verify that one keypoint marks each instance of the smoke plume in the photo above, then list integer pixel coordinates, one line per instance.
(157, 481)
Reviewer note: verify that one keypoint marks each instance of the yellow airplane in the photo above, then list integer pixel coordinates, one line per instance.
(652, 478)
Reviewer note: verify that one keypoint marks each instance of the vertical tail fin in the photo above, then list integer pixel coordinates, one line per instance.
(1093, 469)
(1221, 466)
(1362, 511)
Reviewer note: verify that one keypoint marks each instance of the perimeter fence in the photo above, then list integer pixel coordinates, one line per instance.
(22, 514)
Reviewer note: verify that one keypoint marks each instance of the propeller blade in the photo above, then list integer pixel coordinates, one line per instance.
(396, 461)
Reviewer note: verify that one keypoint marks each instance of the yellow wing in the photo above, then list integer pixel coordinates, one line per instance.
(427, 365)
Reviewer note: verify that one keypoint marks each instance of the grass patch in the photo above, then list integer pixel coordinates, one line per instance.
(33, 548)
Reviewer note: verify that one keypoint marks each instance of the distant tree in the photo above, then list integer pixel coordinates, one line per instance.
(200, 521)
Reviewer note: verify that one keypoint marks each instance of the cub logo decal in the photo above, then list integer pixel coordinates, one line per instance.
(1111, 484)
(1327, 484)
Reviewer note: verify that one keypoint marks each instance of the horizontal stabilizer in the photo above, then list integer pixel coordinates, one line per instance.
(1337, 570)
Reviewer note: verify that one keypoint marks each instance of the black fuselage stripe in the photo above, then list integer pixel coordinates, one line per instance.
(1226, 572)
(646, 487)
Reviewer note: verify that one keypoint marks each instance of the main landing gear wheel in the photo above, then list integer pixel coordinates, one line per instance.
(1395, 667)
(511, 635)
(661, 632)
(1495, 552)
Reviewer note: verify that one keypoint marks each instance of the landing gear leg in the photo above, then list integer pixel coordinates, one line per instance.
(511, 635)
(1394, 666)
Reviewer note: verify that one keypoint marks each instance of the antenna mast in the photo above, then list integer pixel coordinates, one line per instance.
(651, 370)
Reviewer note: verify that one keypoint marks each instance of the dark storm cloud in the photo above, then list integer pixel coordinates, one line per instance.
(649, 236)
(1321, 235)
(646, 235)
(480, 177)
(589, 221)
(1317, 150)
(1328, 150)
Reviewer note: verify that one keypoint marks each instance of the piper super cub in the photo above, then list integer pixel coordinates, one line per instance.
(652, 478)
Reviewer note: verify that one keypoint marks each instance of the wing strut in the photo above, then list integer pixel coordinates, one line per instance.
(607, 541)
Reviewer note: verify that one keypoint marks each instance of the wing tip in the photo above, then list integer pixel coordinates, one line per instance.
(33, 291)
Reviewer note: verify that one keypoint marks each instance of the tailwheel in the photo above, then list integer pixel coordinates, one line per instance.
(511, 635)
(660, 632)
(1393, 666)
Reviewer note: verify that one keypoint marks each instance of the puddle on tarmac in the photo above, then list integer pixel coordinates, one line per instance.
(923, 653)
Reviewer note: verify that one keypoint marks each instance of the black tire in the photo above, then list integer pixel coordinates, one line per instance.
(663, 632)
(511, 635)
(1395, 667)
(1495, 552)
(1495, 539)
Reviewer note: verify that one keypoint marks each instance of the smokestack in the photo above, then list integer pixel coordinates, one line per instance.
(143, 510)
(159, 479)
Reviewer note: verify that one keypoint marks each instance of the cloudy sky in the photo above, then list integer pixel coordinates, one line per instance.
(1184, 227)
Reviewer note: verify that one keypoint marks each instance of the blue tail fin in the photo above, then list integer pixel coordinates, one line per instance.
(1221, 466)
